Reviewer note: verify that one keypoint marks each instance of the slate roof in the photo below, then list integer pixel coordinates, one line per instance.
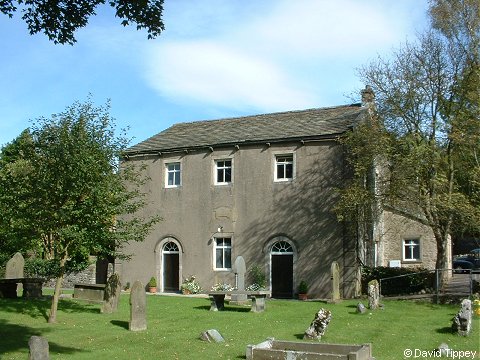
(275, 127)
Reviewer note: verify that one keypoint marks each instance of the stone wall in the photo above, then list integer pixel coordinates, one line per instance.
(396, 229)
(91, 275)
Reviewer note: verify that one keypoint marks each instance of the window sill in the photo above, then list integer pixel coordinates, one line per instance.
(412, 261)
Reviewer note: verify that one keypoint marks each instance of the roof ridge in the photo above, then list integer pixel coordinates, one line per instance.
(267, 114)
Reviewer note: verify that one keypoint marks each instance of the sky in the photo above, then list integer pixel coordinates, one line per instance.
(215, 59)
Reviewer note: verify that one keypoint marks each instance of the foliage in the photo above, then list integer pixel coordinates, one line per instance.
(191, 285)
(406, 280)
(302, 287)
(259, 280)
(254, 287)
(424, 163)
(63, 195)
(153, 282)
(60, 19)
(41, 268)
(222, 287)
(85, 333)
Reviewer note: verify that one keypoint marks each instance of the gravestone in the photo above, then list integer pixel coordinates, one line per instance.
(212, 335)
(138, 307)
(111, 294)
(462, 322)
(335, 281)
(318, 326)
(373, 295)
(15, 265)
(240, 270)
(39, 349)
(361, 308)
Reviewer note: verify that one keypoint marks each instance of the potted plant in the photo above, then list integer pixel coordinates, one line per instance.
(302, 291)
(152, 285)
(190, 286)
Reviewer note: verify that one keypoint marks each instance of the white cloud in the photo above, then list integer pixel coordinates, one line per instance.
(271, 56)
(215, 73)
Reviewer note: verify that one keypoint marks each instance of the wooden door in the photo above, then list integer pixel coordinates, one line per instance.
(282, 276)
(170, 272)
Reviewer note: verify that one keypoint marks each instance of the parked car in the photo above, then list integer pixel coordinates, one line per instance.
(467, 262)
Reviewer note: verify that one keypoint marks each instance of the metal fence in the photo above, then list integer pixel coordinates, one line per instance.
(439, 290)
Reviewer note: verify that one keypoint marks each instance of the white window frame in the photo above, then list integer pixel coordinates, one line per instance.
(176, 172)
(223, 248)
(276, 162)
(216, 168)
(408, 255)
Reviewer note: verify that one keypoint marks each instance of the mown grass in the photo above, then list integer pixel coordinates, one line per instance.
(175, 323)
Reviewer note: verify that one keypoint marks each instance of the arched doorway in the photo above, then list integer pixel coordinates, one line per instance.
(171, 267)
(281, 270)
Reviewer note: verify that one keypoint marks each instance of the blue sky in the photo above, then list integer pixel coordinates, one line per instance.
(216, 59)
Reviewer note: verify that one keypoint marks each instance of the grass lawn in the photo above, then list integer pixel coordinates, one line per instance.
(174, 324)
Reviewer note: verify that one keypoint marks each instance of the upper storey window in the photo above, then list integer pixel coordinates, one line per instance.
(173, 174)
(223, 171)
(284, 168)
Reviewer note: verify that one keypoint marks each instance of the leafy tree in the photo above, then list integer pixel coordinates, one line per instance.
(424, 139)
(61, 18)
(62, 190)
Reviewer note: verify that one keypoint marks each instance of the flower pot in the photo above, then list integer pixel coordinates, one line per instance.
(302, 296)
(152, 290)
(186, 292)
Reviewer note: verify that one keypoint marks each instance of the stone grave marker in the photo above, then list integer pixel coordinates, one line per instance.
(361, 308)
(373, 295)
(240, 270)
(212, 335)
(111, 294)
(138, 307)
(15, 265)
(462, 322)
(335, 281)
(318, 326)
(39, 349)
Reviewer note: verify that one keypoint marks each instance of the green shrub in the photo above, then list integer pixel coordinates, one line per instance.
(153, 282)
(412, 281)
(41, 268)
(258, 277)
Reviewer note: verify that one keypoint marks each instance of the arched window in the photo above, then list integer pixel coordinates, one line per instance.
(170, 248)
(282, 247)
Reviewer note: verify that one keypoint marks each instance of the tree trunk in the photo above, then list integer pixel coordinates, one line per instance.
(52, 318)
(442, 253)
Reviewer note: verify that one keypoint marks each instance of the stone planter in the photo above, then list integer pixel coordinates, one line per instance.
(280, 350)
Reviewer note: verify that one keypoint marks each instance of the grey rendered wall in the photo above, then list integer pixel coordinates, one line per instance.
(254, 210)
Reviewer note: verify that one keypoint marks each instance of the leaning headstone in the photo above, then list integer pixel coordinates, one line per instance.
(15, 265)
(318, 326)
(211, 335)
(361, 308)
(335, 270)
(462, 322)
(138, 307)
(443, 349)
(38, 348)
(111, 294)
(239, 269)
(373, 295)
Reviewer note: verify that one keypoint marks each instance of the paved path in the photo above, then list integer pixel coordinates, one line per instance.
(459, 284)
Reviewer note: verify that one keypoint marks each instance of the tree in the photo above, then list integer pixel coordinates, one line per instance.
(60, 19)
(426, 133)
(62, 191)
